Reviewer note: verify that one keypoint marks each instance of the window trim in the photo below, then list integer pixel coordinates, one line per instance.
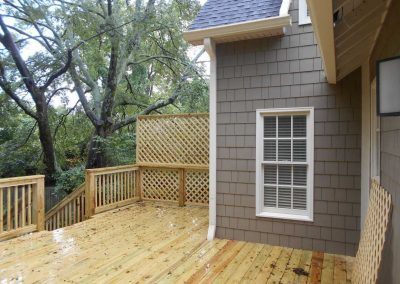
(303, 18)
(290, 213)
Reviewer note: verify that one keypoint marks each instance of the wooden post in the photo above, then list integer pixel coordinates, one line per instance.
(39, 204)
(182, 193)
(90, 194)
(138, 184)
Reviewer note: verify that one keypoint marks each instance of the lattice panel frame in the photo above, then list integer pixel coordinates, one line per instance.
(197, 187)
(173, 139)
(160, 184)
(369, 254)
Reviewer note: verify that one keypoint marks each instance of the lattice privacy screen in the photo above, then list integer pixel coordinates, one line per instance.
(163, 185)
(173, 139)
(369, 252)
(196, 186)
(160, 184)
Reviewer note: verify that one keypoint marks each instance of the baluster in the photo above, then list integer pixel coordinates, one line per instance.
(70, 213)
(96, 190)
(15, 207)
(126, 185)
(99, 190)
(23, 207)
(74, 211)
(65, 216)
(78, 200)
(114, 188)
(29, 204)
(8, 208)
(104, 183)
(120, 187)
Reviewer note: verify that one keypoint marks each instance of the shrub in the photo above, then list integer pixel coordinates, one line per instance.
(70, 179)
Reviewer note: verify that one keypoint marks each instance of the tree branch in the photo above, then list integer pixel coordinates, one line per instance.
(6, 86)
(82, 98)
(60, 72)
(9, 44)
(161, 103)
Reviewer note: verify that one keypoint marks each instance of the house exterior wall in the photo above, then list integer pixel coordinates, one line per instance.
(287, 72)
(390, 180)
(388, 45)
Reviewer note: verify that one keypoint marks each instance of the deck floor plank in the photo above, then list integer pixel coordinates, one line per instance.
(158, 243)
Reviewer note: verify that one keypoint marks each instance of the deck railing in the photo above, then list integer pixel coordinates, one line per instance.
(21, 206)
(68, 211)
(109, 188)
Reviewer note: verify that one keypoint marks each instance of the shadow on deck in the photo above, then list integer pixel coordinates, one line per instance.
(150, 242)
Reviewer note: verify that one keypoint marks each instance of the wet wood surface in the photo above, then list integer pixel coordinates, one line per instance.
(158, 243)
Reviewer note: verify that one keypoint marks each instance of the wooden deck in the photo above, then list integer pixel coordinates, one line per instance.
(158, 243)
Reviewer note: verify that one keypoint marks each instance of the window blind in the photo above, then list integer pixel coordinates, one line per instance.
(285, 161)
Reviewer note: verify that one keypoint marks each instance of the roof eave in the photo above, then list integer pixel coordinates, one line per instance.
(322, 21)
(272, 26)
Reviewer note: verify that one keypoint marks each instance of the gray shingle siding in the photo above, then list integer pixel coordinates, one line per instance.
(390, 179)
(287, 72)
(222, 12)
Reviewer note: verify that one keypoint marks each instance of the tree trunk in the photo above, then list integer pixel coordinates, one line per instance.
(46, 139)
(97, 153)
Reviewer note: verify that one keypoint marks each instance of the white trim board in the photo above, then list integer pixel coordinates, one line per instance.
(322, 17)
(365, 140)
(210, 47)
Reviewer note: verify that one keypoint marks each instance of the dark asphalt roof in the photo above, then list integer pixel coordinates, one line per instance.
(222, 12)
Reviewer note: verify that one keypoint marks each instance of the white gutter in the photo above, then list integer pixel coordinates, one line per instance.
(209, 46)
(243, 30)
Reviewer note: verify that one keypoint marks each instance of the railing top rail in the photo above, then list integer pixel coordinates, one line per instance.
(112, 169)
(155, 116)
(65, 200)
(20, 180)
(174, 166)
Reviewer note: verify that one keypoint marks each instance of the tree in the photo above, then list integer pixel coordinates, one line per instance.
(22, 79)
(137, 50)
(123, 59)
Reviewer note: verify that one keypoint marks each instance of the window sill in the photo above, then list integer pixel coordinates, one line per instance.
(285, 216)
(304, 23)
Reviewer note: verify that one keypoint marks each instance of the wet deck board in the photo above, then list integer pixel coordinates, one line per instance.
(157, 243)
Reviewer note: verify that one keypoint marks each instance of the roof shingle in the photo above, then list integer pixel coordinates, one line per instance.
(222, 12)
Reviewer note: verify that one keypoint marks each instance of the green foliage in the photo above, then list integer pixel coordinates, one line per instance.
(19, 145)
(121, 148)
(72, 137)
(70, 179)
(153, 73)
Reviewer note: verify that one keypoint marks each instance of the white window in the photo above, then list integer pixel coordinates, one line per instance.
(304, 13)
(284, 163)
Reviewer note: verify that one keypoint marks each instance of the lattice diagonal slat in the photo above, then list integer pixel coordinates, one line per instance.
(369, 252)
(160, 184)
(196, 186)
(173, 139)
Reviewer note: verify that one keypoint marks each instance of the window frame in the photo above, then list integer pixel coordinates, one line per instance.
(279, 213)
(303, 18)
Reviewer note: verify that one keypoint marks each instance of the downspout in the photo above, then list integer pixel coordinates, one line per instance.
(209, 46)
